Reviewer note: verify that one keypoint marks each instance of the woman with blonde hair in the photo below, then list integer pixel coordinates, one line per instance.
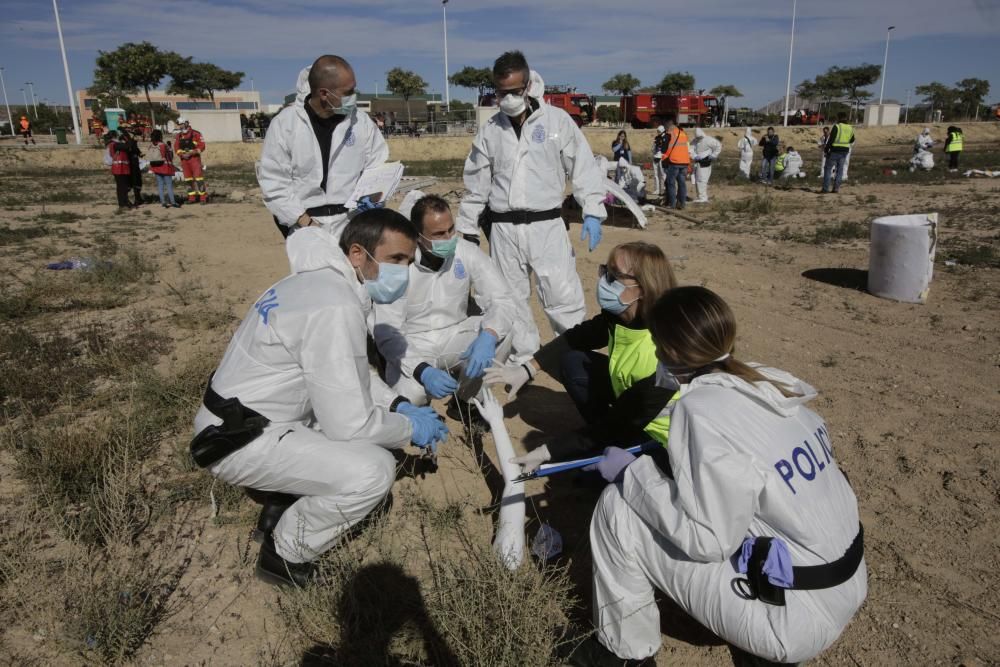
(615, 393)
(752, 528)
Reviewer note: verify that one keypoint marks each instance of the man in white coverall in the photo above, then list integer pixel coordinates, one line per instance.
(753, 489)
(704, 151)
(517, 170)
(427, 335)
(745, 146)
(316, 149)
(297, 362)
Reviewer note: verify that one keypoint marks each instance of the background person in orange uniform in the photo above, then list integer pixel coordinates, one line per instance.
(676, 162)
(26, 130)
(188, 146)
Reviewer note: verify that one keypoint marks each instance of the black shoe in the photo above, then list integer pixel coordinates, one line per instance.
(274, 507)
(591, 653)
(275, 570)
(166, 205)
(176, 205)
(835, 191)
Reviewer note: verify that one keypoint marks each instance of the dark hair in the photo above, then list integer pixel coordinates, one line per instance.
(425, 204)
(368, 228)
(509, 63)
(324, 70)
(770, 128)
(789, 148)
(155, 136)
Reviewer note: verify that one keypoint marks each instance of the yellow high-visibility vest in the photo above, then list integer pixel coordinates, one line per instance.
(844, 135)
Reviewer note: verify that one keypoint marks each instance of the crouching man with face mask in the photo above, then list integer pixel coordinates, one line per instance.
(428, 335)
(294, 408)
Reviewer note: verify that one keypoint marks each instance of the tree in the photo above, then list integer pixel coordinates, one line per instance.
(938, 96)
(479, 78)
(676, 82)
(725, 92)
(609, 114)
(406, 84)
(970, 94)
(201, 80)
(622, 83)
(133, 66)
(852, 79)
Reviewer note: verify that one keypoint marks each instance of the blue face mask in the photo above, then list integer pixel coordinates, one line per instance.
(609, 297)
(443, 249)
(390, 284)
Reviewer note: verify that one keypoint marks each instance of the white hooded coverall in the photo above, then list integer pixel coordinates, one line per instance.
(703, 147)
(529, 174)
(431, 323)
(793, 165)
(291, 166)
(821, 145)
(745, 146)
(747, 461)
(299, 359)
(923, 158)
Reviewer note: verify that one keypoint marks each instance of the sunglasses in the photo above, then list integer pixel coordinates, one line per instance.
(610, 275)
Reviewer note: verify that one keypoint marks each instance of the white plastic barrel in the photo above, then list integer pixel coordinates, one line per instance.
(901, 258)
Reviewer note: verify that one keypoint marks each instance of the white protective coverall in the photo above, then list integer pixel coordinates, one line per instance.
(747, 461)
(529, 174)
(793, 166)
(291, 166)
(745, 146)
(703, 147)
(299, 359)
(923, 158)
(431, 324)
(821, 145)
(632, 180)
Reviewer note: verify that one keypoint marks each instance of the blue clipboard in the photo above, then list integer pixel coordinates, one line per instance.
(555, 468)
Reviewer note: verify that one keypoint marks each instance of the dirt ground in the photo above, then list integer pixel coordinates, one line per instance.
(911, 393)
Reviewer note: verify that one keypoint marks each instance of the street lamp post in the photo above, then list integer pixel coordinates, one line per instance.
(69, 85)
(906, 117)
(885, 62)
(24, 94)
(31, 87)
(444, 14)
(10, 119)
(791, 49)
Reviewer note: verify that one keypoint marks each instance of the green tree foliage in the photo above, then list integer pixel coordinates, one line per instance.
(406, 84)
(132, 67)
(971, 94)
(962, 101)
(609, 114)
(841, 82)
(201, 80)
(676, 82)
(622, 84)
(476, 78)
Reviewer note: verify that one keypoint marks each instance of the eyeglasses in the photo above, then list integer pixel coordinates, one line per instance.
(610, 275)
(502, 93)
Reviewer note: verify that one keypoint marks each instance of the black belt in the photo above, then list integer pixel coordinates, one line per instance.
(806, 578)
(240, 425)
(524, 217)
(329, 209)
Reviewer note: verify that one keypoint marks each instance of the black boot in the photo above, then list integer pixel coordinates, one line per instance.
(275, 570)
(591, 653)
(275, 505)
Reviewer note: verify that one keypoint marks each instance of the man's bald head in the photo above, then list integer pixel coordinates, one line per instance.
(329, 72)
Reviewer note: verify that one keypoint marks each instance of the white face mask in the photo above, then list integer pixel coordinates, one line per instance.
(513, 105)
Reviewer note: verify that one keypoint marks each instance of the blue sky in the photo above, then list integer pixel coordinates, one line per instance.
(579, 42)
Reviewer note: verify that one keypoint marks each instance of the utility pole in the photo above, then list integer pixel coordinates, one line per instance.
(69, 85)
(447, 95)
(906, 116)
(31, 87)
(885, 62)
(10, 119)
(791, 49)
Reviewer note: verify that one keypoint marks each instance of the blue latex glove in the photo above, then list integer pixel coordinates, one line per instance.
(438, 383)
(612, 466)
(428, 429)
(480, 354)
(591, 228)
(777, 565)
(366, 204)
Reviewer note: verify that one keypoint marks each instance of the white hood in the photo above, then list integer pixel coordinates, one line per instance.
(763, 393)
(699, 133)
(749, 133)
(302, 86)
(312, 248)
(536, 86)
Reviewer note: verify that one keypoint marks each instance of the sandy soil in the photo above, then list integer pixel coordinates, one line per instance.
(910, 393)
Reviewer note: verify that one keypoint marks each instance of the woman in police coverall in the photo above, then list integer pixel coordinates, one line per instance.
(753, 530)
(615, 393)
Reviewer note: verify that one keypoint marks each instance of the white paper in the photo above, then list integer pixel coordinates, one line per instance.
(383, 178)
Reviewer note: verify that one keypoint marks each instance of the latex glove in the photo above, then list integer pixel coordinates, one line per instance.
(531, 461)
(366, 204)
(428, 428)
(514, 377)
(480, 354)
(591, 229)
(437, 382)
(612, 466)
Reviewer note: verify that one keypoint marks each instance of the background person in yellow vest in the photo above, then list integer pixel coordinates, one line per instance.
(837, 147)
(616, 393)
(953, 147)
(676, 162)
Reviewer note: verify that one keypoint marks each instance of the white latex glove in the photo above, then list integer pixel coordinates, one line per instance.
(531, 461)
(514, 377)
(488, 406)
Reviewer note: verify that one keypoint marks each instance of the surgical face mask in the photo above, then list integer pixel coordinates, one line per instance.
(609, 296)
(513, 105)
(443, 248)
(390, 284)
(347, 105)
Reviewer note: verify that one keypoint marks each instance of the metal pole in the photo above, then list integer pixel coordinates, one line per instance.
(31, 87)
(791, 48)
(25, 96)
(69, 84)
(10, 119)
(444, 14)
(885, 62)
(255, 106)
(906, 116)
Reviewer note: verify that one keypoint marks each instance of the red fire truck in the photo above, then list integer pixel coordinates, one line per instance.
(577, 105)
(689, 109)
